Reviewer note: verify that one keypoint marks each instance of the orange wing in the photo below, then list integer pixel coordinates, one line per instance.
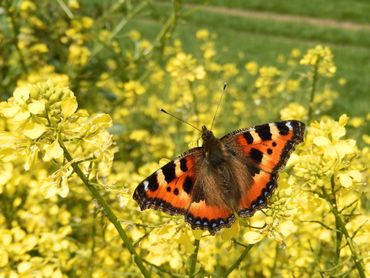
(170, 189)
(267, 147)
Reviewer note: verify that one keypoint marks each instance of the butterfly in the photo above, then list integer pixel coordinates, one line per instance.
(234, 174)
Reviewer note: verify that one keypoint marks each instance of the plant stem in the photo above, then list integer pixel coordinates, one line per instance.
(16, 41)
(107, 210)
(313, 89)
(193, 258)
(239, 260)
(341, 228)
(169, 26)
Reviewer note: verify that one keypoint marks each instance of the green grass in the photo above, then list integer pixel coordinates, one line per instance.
(263, 40)
(342, 10)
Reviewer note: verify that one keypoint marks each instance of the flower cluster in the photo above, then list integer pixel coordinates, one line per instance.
(322, 57)
(39, 124)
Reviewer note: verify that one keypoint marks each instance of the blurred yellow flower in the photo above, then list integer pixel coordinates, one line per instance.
(184, 68)
(342, 81)
(202, 34)
(356, 121)
(230, 70)
(27, 5)
(133, 88)
(40, 48)
(134, 35)
(293, 111)
(251, 67)
(78, 55)
(73, 4)
(295, 53)
(87, 22)
(322, 57)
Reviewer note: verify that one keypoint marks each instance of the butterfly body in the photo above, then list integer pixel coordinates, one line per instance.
(231, 175)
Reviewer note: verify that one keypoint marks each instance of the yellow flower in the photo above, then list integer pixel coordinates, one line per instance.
(133, 88)
(292, 85)
(78, 55)
(230, 70)
(87, 22)
(184, 68)
(134, 35)
(356, 121)
(322, 57)
(293, 111)
(342, 81)
(73, 4)
(251, 67)
(202, 34)
(27, 5)
(295, 53)
(40, 48)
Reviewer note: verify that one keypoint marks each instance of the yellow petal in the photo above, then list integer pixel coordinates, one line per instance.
(231, 232)
(345, 147)
(31, 157)
(343, 120)
(23, 267)
(102, 120)
(355, 175)
(21, 94)
(22, 115)
(184, 240)
(53, 151)
(8, 110)
(36, 107)
(49, 188)
(321, 141)
(4, 259)
(252, 237)
(258, 219)
(64, 190)
(197, 233)
(345, 180)
(33, 130)
(287, 227)
(69, 106)
(339, 132)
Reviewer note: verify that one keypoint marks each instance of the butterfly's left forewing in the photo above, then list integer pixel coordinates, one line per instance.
(169, 188)
(266, 149)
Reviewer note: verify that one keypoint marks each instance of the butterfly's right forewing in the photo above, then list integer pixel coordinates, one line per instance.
(266, 149)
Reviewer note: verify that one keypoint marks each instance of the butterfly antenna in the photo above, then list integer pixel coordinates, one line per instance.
(219, 104)
(181, 120)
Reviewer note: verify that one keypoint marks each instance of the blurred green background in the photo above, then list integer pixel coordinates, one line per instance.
(261, 30)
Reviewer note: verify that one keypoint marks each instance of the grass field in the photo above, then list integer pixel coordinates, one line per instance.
(263, 39)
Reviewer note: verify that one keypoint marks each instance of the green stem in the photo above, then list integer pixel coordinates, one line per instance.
(118, 29)
(65, 8)
(193, 258)
(313, 89)
(16, 41)
(247, 248)
(338, 233)
(169, 26)
(341, 227)
(107, 210)
(274, 266)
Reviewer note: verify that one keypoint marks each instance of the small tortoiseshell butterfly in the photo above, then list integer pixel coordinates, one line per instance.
(234, 174)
